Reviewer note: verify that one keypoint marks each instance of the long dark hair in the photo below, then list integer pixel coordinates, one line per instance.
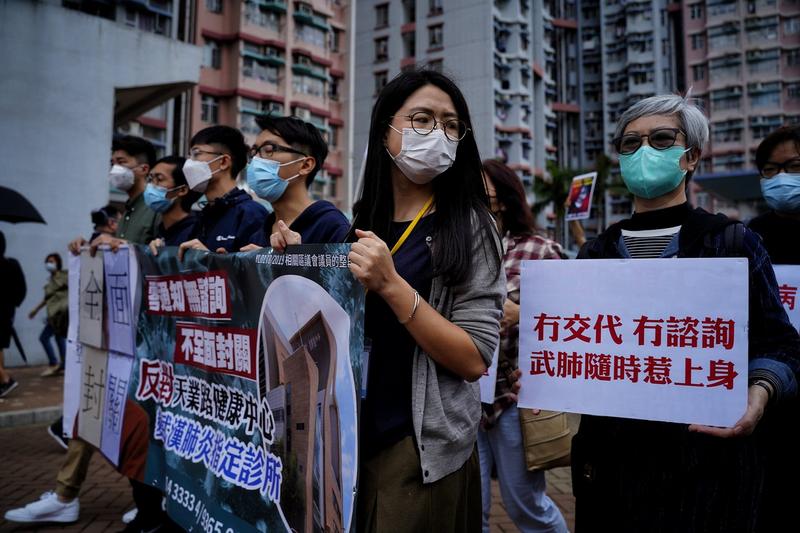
(516, 217)
(459, 193)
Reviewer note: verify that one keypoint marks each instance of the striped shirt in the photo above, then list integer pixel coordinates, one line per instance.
(648, 244)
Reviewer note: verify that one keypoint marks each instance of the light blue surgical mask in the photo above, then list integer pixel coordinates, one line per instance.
(156, 198)
(263, 178)
(650, 173)
(782, 192)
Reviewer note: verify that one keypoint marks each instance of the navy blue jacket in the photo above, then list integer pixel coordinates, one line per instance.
(182, 231)
(319, 223)
(229, 221)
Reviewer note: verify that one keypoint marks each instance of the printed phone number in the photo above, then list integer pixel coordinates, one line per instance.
(185, 498)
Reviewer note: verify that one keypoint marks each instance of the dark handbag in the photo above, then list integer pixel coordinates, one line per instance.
(546, 439)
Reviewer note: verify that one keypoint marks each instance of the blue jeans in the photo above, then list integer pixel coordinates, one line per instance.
(523, 491)
(61, 342)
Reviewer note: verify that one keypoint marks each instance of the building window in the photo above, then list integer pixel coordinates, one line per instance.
(793, 91)
(381, 49)
(764, 94)
(791, 26)
(435, 7)
(253, 68)
(435, 36)
(409, 11)
(333, 136)
(209, 109)
(696, 11)
(793, 58)
(266, 19)
(335, 37)
(382, 16)
(310, 35)
(436, 65)
(211, 54)
(698, 41)
(381, 78)
(214, 6)
(308, 85)
(333, 88)
(728, 131)
(698, 72)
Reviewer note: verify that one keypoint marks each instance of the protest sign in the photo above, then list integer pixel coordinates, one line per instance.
(240, 401)
(90, 330)
(648, 338)
(581, 190)
(788, 277)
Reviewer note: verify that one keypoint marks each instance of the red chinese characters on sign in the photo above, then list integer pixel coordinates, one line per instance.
(217, 349)
(202, 294)
(649, 369)
(674, 332)
(788, 295)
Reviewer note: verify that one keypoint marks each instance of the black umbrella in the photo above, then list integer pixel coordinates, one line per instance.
(16, 208)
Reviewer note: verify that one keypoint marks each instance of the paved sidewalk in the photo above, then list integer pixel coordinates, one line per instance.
(31, 459)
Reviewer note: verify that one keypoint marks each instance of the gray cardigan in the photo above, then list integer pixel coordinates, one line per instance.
(447, 409)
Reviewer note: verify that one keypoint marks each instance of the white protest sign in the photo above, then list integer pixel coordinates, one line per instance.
(118, 301)
(118, 378)
(73, 292)
(488, 380)
(788, 277)
(73, 366)
(93, 393)
(90, 330)
(651, 339)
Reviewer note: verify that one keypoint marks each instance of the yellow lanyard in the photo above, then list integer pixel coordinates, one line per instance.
(413, 224)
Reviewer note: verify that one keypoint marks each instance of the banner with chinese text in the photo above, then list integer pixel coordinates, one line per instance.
(241, 398)
(650, 339)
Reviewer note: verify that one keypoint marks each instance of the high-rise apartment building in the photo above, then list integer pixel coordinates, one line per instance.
(282, 57)
(743, 62)
(163, 124)
(515, 60)
(629, 50)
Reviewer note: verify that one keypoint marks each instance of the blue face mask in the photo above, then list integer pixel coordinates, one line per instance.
(782, 192)
(156, 198)
(650, 173)
(263, 178)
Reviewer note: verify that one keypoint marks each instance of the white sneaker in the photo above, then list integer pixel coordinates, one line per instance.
(128, 517)
(47, 509)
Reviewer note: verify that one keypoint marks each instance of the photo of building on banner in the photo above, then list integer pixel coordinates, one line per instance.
(241, 400)
(788, 277)
(579, 200)
(645, 339)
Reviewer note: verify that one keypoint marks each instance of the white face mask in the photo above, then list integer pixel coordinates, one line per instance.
(50, 267)
(121, 177)
(423, 157)
(198, 173)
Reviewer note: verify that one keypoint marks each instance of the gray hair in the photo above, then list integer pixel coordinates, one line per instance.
(691, 119)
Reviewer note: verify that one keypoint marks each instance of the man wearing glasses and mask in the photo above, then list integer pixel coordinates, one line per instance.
(287, 155)
(231, 216)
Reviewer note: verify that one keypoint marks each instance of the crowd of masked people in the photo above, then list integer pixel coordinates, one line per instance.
(438, 237)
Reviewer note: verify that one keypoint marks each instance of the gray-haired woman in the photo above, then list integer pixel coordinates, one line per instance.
(638, 475)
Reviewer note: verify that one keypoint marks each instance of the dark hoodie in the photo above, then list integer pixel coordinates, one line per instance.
(319, 223)
(228, 222)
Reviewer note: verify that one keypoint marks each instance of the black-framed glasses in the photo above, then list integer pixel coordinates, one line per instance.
(267, 149)
(659, 138)
(423, 123)
(772, 169)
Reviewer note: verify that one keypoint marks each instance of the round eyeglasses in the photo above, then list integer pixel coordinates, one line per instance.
(660, 139)
(424, 123)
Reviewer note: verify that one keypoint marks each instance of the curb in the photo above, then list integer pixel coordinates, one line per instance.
(27, 417)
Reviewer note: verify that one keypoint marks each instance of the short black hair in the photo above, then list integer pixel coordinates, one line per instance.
(230, 139)
(775, 139)
(180, 179)
(142, 149)
(300, 135)
(101, 216)
(57, 257)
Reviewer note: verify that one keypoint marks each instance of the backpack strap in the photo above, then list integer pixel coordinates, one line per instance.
(732, 241)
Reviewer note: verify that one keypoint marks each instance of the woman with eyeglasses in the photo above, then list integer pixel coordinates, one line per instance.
(427, 250)
(778, 163)
(639, 475)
